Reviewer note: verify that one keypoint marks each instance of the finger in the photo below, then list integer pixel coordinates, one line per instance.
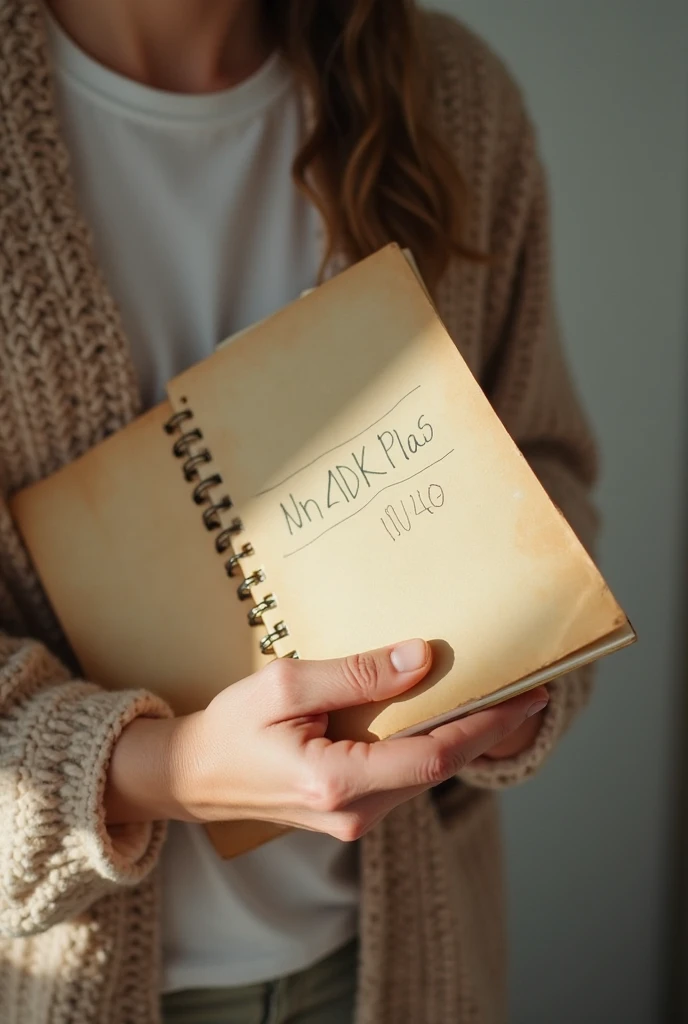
(315, 687)
(374, 807)
(348, 771)
(518, 741)
(358, 818)
(507, 717)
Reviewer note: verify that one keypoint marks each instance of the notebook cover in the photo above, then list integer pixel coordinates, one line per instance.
(383, 498)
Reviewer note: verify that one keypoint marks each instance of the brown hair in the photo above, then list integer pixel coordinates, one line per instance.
(373, 163)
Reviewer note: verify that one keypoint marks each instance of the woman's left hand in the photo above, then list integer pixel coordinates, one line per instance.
(516, 742)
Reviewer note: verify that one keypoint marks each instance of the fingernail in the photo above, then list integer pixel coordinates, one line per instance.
(410, 656)
(534, 709)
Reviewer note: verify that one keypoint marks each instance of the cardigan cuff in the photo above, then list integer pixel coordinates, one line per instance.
(122, 853)
(488, 773)
(57, 856)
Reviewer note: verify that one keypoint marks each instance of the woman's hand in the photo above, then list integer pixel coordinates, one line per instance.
(520, 739)
(259, 750)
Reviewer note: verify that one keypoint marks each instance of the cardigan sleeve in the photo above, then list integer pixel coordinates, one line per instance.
(56, 738)
(526, 378)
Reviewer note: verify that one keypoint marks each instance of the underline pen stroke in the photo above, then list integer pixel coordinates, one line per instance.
(396, 483)
(341, 445)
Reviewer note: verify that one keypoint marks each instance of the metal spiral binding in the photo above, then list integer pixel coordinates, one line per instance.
(187, 446)
(277, 633)
(255, 615)
(244, 588)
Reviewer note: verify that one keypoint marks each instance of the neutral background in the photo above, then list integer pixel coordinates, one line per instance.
(588, 842)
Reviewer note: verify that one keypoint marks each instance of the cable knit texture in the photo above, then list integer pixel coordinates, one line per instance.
(79, 933)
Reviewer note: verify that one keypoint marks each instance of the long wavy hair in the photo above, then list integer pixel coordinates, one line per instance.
(372, 163)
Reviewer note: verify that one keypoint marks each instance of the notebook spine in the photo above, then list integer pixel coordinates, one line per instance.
(217, 516)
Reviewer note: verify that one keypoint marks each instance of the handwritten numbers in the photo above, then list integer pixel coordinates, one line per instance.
(436, 497)
(396, 519)
(399, 517)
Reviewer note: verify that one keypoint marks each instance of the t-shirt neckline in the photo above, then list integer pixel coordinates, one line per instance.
(136, 101)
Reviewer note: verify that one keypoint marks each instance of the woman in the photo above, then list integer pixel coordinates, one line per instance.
(147, 210)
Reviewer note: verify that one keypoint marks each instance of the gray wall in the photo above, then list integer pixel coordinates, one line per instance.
(588, 841)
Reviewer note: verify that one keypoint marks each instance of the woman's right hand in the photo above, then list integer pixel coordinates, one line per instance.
(260, 751)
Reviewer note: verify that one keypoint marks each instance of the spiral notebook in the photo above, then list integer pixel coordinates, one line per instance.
(331, 480)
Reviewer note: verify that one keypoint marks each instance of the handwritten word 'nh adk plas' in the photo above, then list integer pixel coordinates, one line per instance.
(357, 475)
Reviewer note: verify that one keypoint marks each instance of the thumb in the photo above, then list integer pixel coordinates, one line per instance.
(316, 687)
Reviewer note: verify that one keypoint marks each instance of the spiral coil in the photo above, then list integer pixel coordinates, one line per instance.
(188, 446)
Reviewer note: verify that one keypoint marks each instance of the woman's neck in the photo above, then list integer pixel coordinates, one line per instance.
(195, 46)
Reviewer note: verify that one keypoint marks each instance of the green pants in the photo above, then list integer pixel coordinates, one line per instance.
(322, 994)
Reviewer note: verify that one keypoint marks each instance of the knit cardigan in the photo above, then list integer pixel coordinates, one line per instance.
(79, 903)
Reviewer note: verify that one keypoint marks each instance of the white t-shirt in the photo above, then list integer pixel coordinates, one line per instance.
(200, 232)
